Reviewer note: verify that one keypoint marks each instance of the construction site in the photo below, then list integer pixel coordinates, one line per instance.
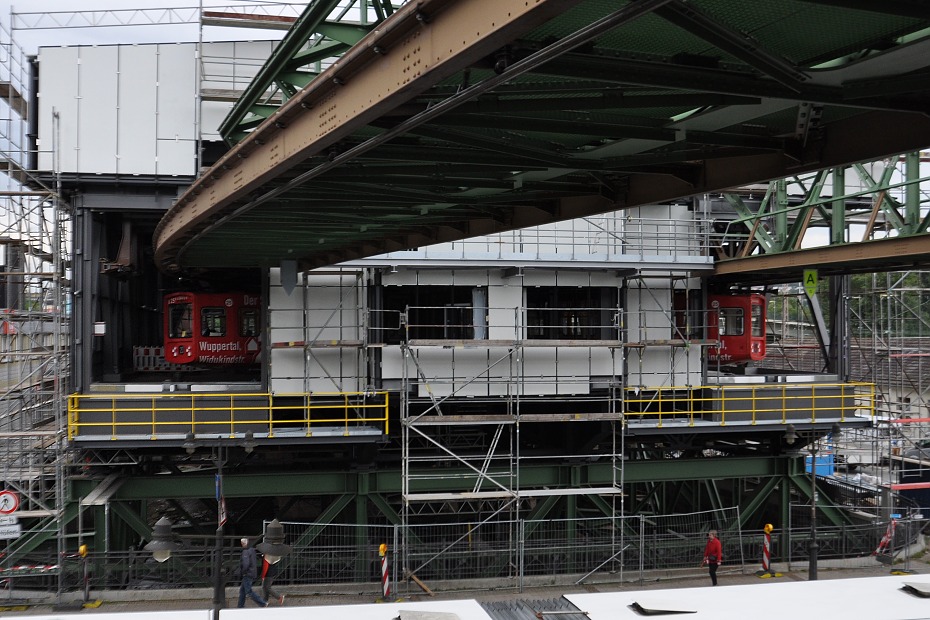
(426, 334)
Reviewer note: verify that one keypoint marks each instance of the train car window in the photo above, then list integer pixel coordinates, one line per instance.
(730, 322)
(213, 322)
(758, 325)
(179, 320)
(248, 322)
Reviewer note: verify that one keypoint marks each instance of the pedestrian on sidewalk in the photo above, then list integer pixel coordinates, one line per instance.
(248, 570)
(713, 555)
(269, 572)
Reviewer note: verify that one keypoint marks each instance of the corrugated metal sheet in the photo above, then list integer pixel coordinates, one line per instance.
(536, 609)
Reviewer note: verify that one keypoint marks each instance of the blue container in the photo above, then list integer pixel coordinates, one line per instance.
(825, 464)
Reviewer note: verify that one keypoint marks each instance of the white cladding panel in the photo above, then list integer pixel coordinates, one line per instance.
(505, 303)
(122, 109)
(448, 371)
(331, 316)
(97, 133)
(58, 94)
(539, 368)
(176, 122)
(649, 323)
(136, 148)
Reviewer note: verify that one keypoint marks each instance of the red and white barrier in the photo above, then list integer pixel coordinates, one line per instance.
(767, 552)
(385, 574)
(886, 543)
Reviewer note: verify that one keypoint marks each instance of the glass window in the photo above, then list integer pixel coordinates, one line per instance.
(570, 313)
(248, 322)
(179, 320)
(213, 322)
(758, 326)
(730, 322)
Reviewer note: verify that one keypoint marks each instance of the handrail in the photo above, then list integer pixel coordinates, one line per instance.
(170, 415)
(751, 403)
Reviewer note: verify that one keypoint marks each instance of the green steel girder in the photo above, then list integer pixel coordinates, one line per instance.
(779, 227)
(132, 519)
(389, 482)
(825, 506)
(291, 50)
(346, 35)
(696, 481)
(762, 495)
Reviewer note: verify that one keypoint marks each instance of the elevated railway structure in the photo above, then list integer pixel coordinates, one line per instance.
(362, 145)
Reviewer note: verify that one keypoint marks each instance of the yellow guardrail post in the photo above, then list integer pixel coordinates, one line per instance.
(345, 414)
(112, 418)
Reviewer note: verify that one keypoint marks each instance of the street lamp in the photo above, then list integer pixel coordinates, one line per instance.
(273, 547)
(163, 542)
(814, 547)
(161, 535)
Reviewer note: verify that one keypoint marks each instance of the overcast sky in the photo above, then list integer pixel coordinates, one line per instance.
(63, 12)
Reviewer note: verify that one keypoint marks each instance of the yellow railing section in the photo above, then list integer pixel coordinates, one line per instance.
(758, 403)
(163, 415)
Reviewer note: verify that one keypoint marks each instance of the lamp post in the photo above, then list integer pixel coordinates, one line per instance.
(162, 545)
(273, 548)
(814, 547)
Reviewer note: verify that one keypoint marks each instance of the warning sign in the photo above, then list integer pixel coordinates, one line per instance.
(810, 282)
(9, 502)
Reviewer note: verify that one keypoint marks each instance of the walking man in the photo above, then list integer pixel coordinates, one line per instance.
(248, 567)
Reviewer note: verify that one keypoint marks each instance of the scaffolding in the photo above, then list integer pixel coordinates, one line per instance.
(34, 319)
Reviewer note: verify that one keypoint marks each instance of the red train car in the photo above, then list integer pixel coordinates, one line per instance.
(738, 323)
(212, 328)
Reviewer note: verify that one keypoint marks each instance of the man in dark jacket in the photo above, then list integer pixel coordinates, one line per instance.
(248, 568)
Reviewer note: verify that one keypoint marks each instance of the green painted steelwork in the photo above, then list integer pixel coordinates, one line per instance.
(310, 41)
(779, 225)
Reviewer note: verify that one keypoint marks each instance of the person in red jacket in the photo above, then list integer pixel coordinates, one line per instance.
(713, 555)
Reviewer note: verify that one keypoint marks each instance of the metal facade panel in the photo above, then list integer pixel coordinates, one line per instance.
(538, 372)
(332, 370)
(175, 157)
(504, 304)
(136, 113)
(212, 114)
(175, 127)
(58, 83)
(97, 89)
(287, 370)
(177, 92)
(449, 371)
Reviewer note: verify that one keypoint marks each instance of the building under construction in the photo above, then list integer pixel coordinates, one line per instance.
(580, 397)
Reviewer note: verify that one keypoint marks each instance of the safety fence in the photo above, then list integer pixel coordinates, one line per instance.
(157, 415)
(468, 556)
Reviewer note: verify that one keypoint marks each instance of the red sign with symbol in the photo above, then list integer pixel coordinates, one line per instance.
(9, 502)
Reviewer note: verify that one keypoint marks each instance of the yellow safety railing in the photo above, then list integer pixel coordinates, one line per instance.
(160, 415)
(751, 403)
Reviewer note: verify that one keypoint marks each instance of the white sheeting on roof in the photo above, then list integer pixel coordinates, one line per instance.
(872, 598)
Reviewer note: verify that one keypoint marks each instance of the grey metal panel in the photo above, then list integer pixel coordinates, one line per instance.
(212, 114)
(798, 403)
(176, 157)
(97, 136)
(177, 91)
(58, 83)
(136, 112)
(176, 126)
(173, 416)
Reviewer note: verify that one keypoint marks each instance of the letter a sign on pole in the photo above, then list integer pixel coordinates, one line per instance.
(810, 282)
